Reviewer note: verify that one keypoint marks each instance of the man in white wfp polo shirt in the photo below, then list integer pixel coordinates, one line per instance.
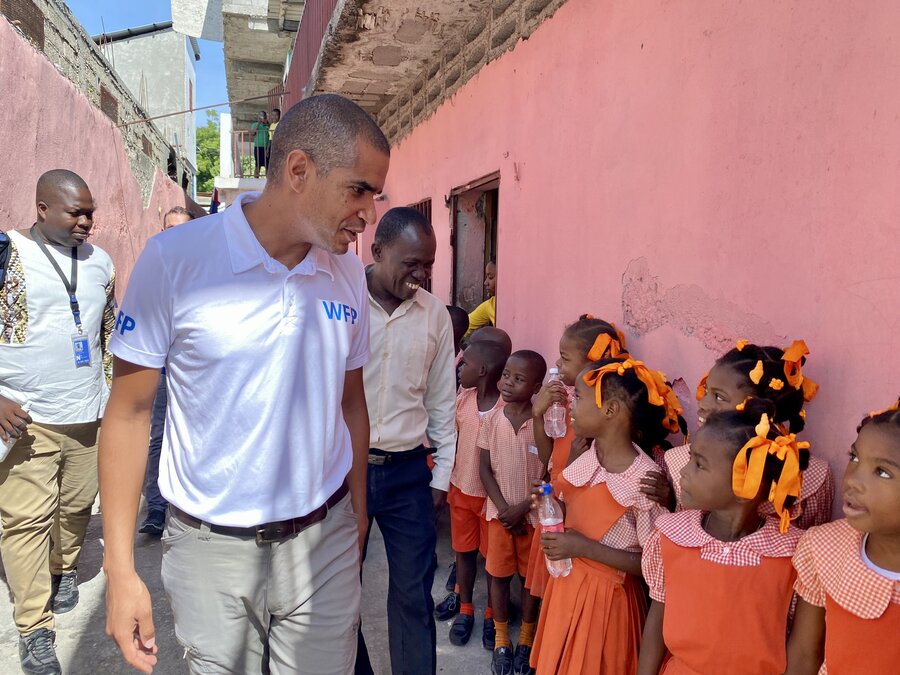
(262, 323)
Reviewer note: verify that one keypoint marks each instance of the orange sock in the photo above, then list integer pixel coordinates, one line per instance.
(489, 613)
(467, 608)
(526, 634)
(502, 639)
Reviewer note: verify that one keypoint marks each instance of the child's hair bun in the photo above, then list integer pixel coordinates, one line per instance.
(754, 408)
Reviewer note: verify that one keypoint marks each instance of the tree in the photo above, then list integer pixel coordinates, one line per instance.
(208, 152)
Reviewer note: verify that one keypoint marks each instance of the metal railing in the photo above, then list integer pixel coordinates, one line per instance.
(242, 159)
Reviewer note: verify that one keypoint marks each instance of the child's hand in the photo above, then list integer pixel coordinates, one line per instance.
(562, 545)
(550, 393)
(656, 486)
(512, 516)
(535, 494)
(579, 447)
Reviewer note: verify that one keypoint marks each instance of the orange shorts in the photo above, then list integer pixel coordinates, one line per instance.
(468, 528)
(507, 554)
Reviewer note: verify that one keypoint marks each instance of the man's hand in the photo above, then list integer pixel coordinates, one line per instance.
(550, 393)
(562, 545)
(13, 420)
(129, 620)
(439, 500)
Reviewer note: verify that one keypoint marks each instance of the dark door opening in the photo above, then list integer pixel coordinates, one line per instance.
(474, 209)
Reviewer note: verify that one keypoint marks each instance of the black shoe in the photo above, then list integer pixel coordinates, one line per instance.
(488, 635)
(521, 659)
(154, 522)
(451, 579)
(502, 661)
(447, 608)
(37, 654)
(461, 630)
(64, 588)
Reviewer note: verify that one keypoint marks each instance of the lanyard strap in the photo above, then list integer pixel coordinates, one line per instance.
(71, 286)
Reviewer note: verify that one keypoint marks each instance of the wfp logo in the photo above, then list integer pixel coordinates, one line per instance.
(124, 323)
(338, 312)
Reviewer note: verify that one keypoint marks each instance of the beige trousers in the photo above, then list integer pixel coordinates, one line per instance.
(48, 484)
(290, 607)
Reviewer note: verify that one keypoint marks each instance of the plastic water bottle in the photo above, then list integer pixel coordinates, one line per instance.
(551, 516)
(555, 417)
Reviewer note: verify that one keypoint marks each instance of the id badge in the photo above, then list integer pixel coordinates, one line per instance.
(81, 350)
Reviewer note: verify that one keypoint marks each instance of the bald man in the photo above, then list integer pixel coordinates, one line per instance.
(57, 314)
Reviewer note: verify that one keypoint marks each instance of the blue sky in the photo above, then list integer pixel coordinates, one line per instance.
(119, 14)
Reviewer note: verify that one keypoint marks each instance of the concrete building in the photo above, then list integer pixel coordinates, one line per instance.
(157, 65)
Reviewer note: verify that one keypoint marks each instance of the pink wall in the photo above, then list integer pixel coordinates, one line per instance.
(696, 172)
(49, 124)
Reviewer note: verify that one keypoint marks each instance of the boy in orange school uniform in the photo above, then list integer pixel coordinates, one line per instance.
(482, 365)
(509, 463)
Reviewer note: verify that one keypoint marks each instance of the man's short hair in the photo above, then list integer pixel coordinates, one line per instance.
(276, 110)
(398, 220)
(55, 180)
(178, 211)
(326, 128)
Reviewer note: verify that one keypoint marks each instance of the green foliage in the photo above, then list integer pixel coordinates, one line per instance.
(208, 152)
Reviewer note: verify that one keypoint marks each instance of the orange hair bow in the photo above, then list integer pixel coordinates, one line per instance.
(605, 347)
(891, 408)
(793, 361)
(701, 388)
(658, 392)
(749, 467)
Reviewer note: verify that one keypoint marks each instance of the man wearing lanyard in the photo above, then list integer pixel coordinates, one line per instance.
(56, 315)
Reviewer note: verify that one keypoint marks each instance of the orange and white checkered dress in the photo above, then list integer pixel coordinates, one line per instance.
(862, 607)
(685, 529)
(468, 423)
(727, 603)
(637, 523)
(514, 459)
(816, 495)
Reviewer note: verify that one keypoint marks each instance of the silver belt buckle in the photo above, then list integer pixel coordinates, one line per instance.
(378, 460)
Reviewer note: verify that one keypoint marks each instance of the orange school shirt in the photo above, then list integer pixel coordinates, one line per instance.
(862, 605)
(726, 602)
(514, 459)
(465, 474)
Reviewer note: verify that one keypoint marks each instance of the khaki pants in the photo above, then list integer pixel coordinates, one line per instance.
(48, 484)
(290, 607)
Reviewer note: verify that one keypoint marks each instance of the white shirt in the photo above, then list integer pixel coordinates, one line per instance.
(255, 357)
(41, 369)
(411, 382)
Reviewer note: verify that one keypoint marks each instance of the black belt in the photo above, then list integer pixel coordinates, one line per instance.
(269, 532)
(379, 457)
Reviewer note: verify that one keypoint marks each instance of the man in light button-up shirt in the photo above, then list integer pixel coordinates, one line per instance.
(410, 387)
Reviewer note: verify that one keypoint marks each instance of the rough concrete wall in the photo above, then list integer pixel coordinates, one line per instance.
(697, 173)
(493, 32)
(79, 60)
(54, 125)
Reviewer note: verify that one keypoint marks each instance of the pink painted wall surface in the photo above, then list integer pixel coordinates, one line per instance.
(49, 124)
(696, 172)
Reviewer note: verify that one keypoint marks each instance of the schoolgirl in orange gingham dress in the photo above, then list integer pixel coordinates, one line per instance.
(591, 619)
(848, 572)
(587, 340)
(720, 575)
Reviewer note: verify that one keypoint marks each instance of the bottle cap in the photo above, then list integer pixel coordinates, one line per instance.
(554, 371)
(546, 489)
